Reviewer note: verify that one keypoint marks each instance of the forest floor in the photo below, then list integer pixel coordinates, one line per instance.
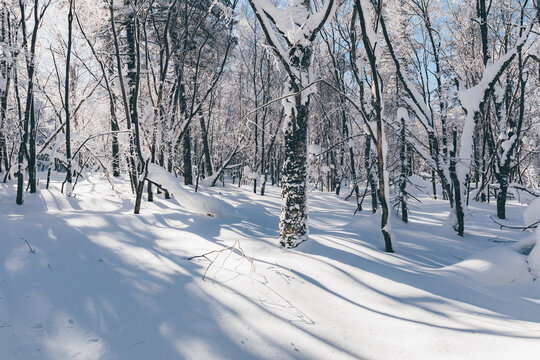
(85, 278)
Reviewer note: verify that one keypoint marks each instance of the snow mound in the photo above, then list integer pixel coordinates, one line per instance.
(534, 257)
(192, 201)
(314, 149)
(531, 215)
(497, 266)
(532, 212)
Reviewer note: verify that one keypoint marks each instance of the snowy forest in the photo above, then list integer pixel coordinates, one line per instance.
(269, 179)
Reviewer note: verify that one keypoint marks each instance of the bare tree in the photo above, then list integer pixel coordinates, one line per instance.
(299, 33)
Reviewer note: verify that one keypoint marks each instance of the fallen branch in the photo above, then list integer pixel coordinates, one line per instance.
(523, 188)
(522, 228)
(233, 249)
(32, 250)
(214, 178)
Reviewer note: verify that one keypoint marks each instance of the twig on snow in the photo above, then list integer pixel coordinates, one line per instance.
(234, 248)
(32, 250)
(522, 228)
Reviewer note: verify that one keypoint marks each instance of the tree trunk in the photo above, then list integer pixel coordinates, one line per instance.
(403, 176)
(186, 152)
(501, 197)
(458, 205)
(294, 216)
(371, 178)
(29, 112)
(383, 184)
(67, 100)
(296, 59)
(5, 73)
(206, 148)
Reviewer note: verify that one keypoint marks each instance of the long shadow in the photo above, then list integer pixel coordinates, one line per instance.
(503, 307)
(121, 256)
(103, 301)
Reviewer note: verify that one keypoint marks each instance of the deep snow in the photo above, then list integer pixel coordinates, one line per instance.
(84, 278)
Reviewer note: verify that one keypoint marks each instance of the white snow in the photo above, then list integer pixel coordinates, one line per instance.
(532, 212)
(295, 22)
(534, 257)
(498, 266)
(84, 278)
(402, 113)
(420, 100)
(314, 149)
(472, 98)
(530, 216)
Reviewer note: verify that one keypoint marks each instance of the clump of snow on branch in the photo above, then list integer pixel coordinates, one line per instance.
(314, 149)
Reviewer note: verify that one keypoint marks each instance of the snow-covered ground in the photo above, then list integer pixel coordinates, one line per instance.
(84, 278)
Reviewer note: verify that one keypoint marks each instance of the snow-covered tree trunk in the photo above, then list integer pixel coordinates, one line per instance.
(5, 82)
(205, 145)
(370, 39)
(457, 216)
(293, 227)
(511, 137)
(436, 159)
(370, 173)
(29, 124)
(403, 196)
(473, 101)
(297, 27)
(67, 100)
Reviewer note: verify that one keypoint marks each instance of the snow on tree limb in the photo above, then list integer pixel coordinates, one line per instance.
(296, 25)
(474, 98)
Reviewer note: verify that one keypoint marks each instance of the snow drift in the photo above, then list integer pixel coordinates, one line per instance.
(497, 266)
(191, 201)
(531, 215)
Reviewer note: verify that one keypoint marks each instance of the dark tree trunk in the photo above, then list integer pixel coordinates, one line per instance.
(29, 112)
(296, 60)
(385, 230)
(186, 152)
(380, 137)
(115, 148)
(370, 175)
(206, 147)
(482, 13)
(403, 176)
(459, 213)
(433, 182)
(501, 197)
(32, 166)
(67, 100)
(293, 221)
(5, 72)
(125, 102)
(133, 75)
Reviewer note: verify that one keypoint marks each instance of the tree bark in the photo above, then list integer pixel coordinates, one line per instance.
(293, 221)
(67, 100)
(206, 147)
(458, 211)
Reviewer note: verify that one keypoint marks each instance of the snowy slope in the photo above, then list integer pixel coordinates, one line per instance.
(102, 283)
